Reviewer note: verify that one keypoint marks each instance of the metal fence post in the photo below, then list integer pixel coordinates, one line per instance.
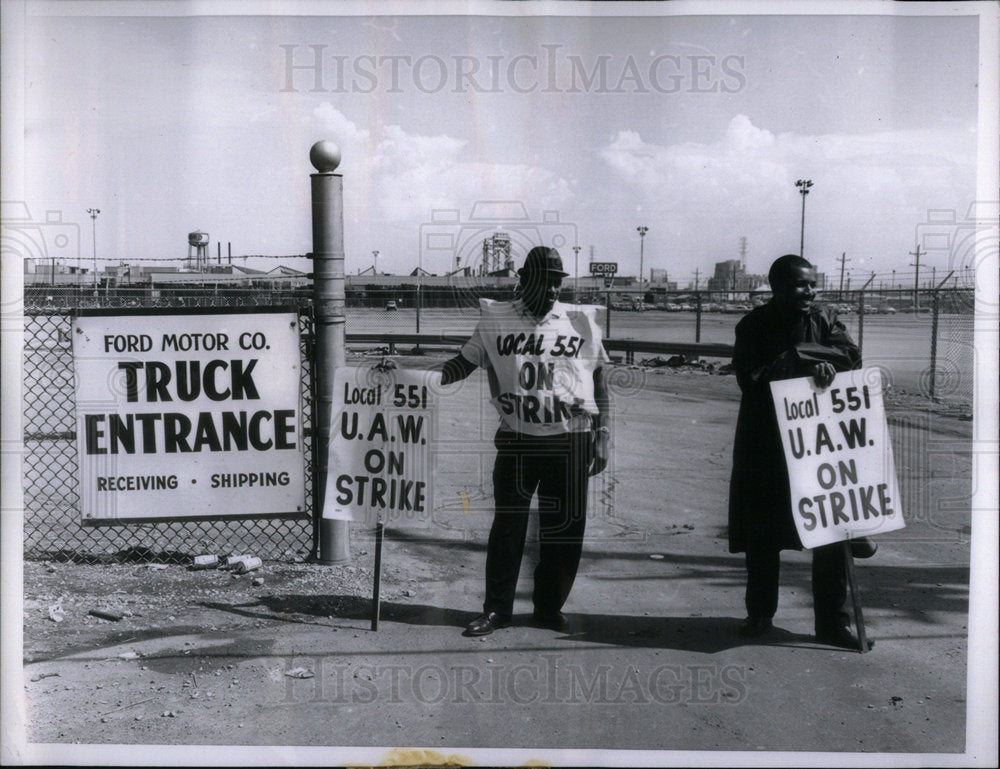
(607, 318)
(697, 317)
(861, 321)
(328, 298)
(935, 307)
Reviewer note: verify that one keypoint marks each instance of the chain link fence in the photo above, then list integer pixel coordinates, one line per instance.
(923, 342)
(52, 516)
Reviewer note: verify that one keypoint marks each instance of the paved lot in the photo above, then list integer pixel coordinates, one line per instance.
(651, 660)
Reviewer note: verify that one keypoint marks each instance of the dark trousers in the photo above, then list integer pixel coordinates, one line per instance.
(829, 584)
(556, 467)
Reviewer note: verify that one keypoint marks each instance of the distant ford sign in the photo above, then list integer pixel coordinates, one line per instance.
(603, 268)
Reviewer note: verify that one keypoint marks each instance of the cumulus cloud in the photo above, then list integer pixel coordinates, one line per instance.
(402, 177)
(749, 161)
(713, 192)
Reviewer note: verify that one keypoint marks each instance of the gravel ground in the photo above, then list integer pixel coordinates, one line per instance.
(214, 658)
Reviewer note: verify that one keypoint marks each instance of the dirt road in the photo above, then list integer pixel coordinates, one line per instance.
(651, 660)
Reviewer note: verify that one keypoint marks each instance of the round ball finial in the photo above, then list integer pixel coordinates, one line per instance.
(325, 156)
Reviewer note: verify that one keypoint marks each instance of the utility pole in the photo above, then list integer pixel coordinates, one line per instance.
(803, 185)
(843, 261)
(916, 279)
(743, 253)
(697, 272)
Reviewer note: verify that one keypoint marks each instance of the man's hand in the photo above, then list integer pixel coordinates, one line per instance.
(823, 374)
(600, 453)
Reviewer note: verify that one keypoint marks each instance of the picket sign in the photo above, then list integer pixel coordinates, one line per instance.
(839, 456)
(381, 430)
(841, 472)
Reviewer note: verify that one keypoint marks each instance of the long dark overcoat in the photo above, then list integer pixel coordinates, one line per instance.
(771, 345)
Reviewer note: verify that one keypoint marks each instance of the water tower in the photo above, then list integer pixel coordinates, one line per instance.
(198, 251)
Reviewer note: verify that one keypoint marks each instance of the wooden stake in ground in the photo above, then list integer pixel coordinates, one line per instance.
(852, 580)
(376, 603)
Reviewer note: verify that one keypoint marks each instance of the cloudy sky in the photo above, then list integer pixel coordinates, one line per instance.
(696, 126)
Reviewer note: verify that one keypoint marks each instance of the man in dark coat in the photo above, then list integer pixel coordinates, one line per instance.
(786, 338)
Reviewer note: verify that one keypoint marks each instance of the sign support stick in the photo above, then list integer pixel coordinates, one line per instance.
(852, 580)
(376, 586)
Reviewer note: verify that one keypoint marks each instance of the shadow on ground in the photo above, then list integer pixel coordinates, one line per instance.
(707, 635)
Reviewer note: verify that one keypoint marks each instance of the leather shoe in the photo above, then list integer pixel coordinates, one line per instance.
(551, 620)
(863, 547)
(753, 627)
(485, 624)
(841, 637)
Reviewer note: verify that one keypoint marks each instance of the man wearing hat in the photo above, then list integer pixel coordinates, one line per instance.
(544, 360)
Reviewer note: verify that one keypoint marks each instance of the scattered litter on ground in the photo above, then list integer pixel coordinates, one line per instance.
(129, 656)
(687, 363)
(299, 673)
(205, 562)
(40, 676)
(56, 612)
(109, 616)
(130, 705)
(248, 564)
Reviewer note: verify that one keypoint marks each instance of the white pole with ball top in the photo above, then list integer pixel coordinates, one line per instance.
(328, 303)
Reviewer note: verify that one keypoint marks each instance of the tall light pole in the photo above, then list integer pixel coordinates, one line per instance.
(375, 263)
(803, 185)
(642, 230)
(93, 215)
(576, 274)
